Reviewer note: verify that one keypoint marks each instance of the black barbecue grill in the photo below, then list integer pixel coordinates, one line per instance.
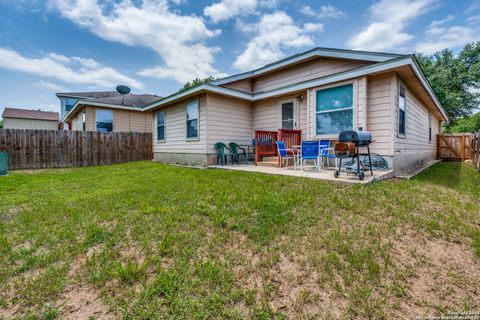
(348, 146)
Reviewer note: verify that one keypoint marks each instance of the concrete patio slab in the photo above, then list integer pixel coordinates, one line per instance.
(324, 174)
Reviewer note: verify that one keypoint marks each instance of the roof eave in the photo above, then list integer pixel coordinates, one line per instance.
(317, 52)
(97, 104)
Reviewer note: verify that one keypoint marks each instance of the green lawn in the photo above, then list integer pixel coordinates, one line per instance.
(145, 240)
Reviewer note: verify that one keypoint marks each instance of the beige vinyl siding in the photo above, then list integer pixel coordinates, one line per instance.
(90, 117)
(241, 85)
(121, 120)
(127, 121)
(303, 115)
(266, 113)
(229, 120)
(416, 130)
(379, 113)
(77, 123)
(303, 72)
(361, 85)
(176, 129)
(18, 123)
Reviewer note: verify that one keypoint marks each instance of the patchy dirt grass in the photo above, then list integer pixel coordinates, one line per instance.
(145, 241)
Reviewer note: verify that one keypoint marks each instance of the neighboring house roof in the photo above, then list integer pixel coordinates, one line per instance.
(30, 114)
(93, 94)
(110, 99)
(384, 63)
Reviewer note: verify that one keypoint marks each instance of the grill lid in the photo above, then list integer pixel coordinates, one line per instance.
(358, 137)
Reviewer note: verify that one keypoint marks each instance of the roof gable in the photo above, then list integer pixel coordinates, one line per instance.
(29, 114)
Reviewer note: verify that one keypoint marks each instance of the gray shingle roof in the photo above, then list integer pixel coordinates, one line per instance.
(29, 114)
(130, 100)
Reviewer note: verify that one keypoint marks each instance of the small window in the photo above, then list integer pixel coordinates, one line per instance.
(69, 103)
(334, 110)
(401, 111)
(429, 126)
(161, 125)
(192, 120)
(84, 120)
(104, 120)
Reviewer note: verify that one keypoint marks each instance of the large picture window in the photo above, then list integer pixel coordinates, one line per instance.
(161, 125)
(192, 120)
(401, 111)
(334, 110)
(104, 120)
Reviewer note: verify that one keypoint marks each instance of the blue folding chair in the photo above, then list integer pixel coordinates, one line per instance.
(325, 152)
(285, 154)
(311, 151)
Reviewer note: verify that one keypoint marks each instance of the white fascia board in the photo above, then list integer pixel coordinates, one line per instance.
(197, 90)
(426, 85)
(97, 104)
(335, 78)
(338, 54)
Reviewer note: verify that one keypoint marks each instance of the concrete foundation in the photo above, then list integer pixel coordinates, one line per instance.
(406, 162)
(189, 159)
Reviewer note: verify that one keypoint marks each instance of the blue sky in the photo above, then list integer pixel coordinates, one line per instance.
(154, 46)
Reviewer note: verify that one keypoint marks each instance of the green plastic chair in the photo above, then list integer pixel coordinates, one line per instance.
(221, 155)
(234, 150)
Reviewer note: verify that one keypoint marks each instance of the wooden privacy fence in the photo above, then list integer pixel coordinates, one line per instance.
(455, 146)
(476, 150)
(32, 149)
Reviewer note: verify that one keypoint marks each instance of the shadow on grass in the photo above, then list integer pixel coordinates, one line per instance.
(458, 176)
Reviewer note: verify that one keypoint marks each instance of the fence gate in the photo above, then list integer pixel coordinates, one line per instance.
(455, 146)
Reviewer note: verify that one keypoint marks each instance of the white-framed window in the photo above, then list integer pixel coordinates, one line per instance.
(402, 106)
(84, 120)
(334, 110)
(104, 120)
(192, 110)
(161, 125)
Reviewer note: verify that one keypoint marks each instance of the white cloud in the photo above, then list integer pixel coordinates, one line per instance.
(227, 9)
(474, 19)
(177, 39)
(452, 37)
(50, 86)
(436, 23)
(389, 20)
(72, 70)
(274, 33)
(327, 11)
(311, 27)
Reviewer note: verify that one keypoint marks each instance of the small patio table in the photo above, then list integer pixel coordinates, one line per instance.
(297, 159)
(249, 154)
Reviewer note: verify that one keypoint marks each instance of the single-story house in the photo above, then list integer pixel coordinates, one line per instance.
(320, 92)
(106, 111)
(14, 118)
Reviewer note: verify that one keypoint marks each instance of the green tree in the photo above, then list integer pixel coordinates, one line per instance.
(466, 124)
(196, 82)
(1, 124)
(455, 79)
